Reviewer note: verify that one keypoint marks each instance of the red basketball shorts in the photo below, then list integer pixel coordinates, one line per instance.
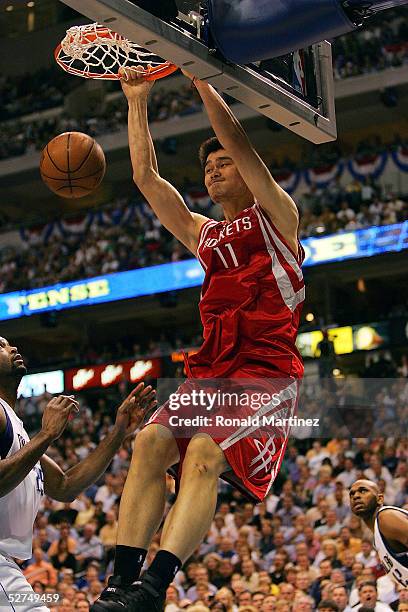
(248, 417)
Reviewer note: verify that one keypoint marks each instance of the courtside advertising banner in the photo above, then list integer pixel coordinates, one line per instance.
(107, 374)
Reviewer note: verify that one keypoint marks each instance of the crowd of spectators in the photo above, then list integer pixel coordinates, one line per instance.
(331, 153)
(33, 92)
(299, 551)
(379, 45)
(20, 137)
(354, 206)
(126, 347)
(382, 43)
(142, 241)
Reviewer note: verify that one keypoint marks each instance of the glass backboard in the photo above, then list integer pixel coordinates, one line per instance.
(295, 90)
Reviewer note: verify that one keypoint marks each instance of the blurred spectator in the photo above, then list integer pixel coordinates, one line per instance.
(91, 575)
(63, 558)
(339, 500)
(289, 510)
(347, 542)
(225, 572)
(331, 527)
(250, 577)
(377, 470)
(106, 493)
(88, 512)
(367, 557)
(327, 356)
(65, 514)
(340, 597)
(349, 474)
(64, 534)
(89, 546)
(367, 593)
(325, 486)
(40, 570)
(201, 581)
(108, 534)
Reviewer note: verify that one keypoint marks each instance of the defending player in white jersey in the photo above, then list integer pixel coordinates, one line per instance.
(27, 474)
(389, 525)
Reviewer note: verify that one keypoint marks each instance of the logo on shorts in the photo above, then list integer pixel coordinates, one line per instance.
(265, 457)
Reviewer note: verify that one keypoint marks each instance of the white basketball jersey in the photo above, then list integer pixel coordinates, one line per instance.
(18, 508)
(396, 564)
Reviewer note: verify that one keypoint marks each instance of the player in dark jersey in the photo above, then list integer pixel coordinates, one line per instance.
(250, 309)
(388, 524)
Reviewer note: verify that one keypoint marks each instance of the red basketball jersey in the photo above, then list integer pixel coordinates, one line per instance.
(251, 299)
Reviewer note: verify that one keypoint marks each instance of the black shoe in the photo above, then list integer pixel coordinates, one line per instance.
(116, 597)
(149, 595)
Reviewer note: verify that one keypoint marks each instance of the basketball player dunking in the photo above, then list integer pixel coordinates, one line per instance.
(389, 525)
(27, 474)
(250, 307)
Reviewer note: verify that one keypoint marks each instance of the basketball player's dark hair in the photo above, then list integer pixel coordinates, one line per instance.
(208, 146)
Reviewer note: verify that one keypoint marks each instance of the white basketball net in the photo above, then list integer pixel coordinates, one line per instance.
(94, 51)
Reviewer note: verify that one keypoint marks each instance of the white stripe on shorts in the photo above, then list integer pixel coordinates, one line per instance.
(289, 393)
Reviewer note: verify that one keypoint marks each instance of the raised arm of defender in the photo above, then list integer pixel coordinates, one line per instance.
(14, 469)
(164, 199)
(66, 486)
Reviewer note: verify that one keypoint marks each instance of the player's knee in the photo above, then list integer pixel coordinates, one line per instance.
(155, 445)
(204, 458)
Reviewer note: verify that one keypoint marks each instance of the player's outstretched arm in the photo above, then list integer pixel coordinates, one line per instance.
(273, 199)
(66, 486)
(14, 469)
(165, 200)
(394, 526)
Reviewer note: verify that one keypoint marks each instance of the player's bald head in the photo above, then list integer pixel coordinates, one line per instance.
(365, 497)
(370, 484)
(12, 367)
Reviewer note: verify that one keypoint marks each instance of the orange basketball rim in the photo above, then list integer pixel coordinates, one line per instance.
(96, 52)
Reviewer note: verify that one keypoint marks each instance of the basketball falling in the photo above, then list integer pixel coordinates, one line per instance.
(72, 165)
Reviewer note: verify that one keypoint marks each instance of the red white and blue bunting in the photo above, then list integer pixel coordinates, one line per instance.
(76, 226)
(288, 179)
(360, 168)
(116, 216)
(400, 157)
(368, 166)
(322, 176)
(198, 199)
(38, 234)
